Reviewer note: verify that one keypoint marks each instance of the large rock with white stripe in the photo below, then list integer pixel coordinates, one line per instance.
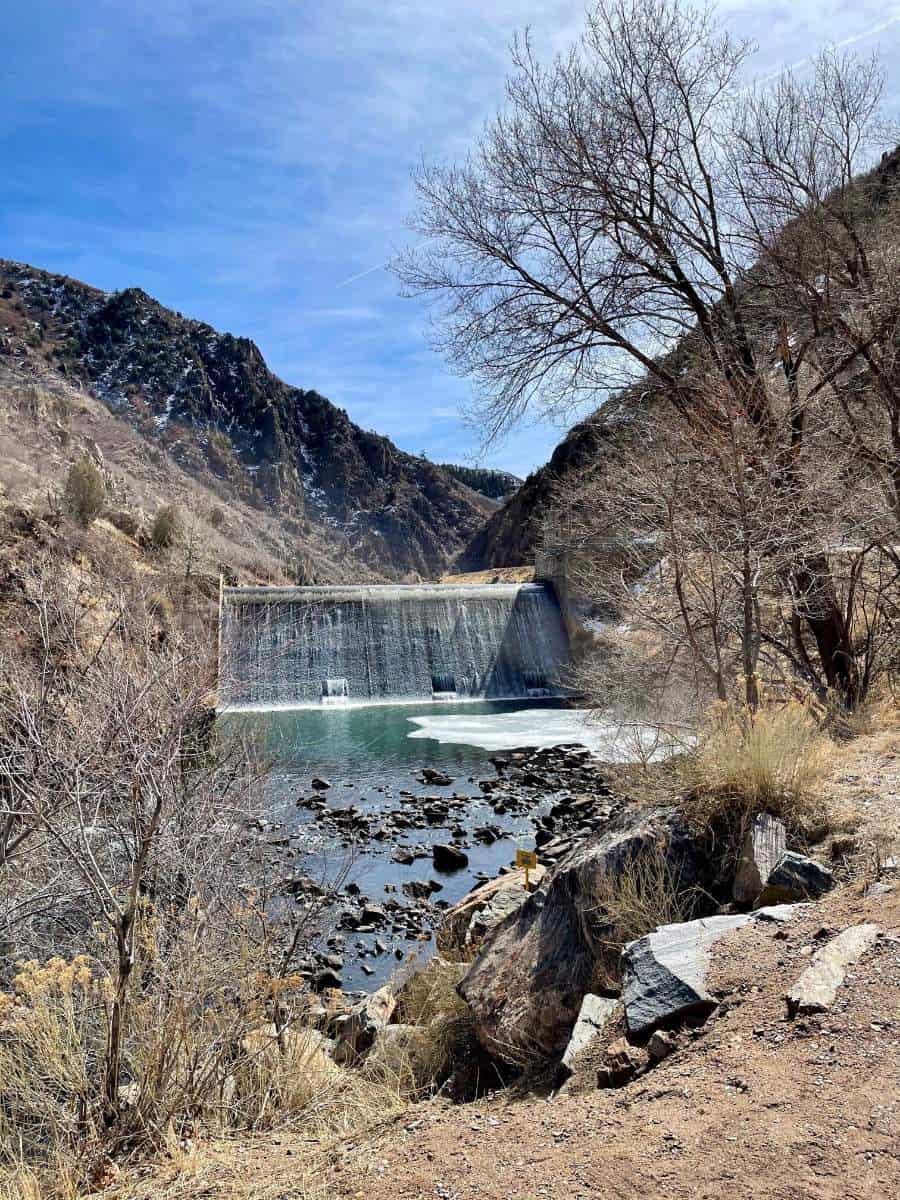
(526, 986)
(666, 971)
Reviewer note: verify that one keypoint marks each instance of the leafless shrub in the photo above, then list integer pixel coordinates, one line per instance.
(139, 953)
(647, 891)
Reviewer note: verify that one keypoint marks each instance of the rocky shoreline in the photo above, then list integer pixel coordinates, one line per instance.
(546, 799)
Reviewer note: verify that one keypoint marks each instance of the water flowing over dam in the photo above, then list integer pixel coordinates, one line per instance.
(392, 643)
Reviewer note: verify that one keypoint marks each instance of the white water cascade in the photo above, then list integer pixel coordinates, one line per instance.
(287, 647)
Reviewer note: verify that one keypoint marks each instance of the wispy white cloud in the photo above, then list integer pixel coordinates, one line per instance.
(248, 162)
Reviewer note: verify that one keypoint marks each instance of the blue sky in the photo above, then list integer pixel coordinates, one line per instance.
(247, 162)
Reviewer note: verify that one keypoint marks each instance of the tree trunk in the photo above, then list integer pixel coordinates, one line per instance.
(117, 1018)
(817, 605)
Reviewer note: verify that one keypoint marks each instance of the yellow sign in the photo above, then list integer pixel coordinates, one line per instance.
(528, 860)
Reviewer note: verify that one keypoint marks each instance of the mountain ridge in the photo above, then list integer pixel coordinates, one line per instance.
(210, 402)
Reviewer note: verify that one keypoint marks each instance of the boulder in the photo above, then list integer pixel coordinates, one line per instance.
(526, 986)
(665, 971)
(764, 845)
(356, 1030)
(447, 857)
(321, 785)
(795, 877)
(466, 924)
(816, 989)
(593, 1015)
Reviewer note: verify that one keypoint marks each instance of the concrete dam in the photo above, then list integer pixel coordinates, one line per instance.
(303, 646)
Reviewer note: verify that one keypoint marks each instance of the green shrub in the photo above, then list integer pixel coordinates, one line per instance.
(85, 491)
(166, 526)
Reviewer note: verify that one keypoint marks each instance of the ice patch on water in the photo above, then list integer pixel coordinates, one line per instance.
(535, 727)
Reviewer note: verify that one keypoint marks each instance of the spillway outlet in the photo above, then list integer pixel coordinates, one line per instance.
(536, 684)
(443, 687)
(335, 692)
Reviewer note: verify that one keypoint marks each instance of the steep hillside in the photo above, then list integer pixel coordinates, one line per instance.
(210, 403)
(513, 533)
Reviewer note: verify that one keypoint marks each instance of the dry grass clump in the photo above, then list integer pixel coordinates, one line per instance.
(440, 1025)
(773, 760)
(203, 1055)
(647, 891)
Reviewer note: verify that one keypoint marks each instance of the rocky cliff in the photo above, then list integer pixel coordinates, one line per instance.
(209, 402)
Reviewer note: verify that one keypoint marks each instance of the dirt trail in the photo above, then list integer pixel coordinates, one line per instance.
(750, 1105)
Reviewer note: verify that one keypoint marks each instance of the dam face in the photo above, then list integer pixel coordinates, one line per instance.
(393, 643)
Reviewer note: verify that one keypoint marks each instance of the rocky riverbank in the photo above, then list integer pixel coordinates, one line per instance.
(395, 862)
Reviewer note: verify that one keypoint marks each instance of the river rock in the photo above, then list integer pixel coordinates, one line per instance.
(665, 971)
(466, 923)
(447, 857)
(764, 845)
(795, 877)
(325, 980)
(355, 1031)
(420, 889)
(321, 785)
(526, 986)
(433, 775)
(593, 1015)
(816, 989)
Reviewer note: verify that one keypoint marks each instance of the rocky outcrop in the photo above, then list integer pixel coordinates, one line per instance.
(765, 843)
(817, 988)
(468, 922)
(666, 971)
(527, 984)
(209, 401)
(795, 877)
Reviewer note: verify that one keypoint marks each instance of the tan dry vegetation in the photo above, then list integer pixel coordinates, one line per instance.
(523, 574)
(805, 1109)
(773, 760)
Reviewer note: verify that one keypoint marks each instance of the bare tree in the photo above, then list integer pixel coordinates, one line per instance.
(603, 228)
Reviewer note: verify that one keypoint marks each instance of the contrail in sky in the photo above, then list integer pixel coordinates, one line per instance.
(380, 267)
(847, 41)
